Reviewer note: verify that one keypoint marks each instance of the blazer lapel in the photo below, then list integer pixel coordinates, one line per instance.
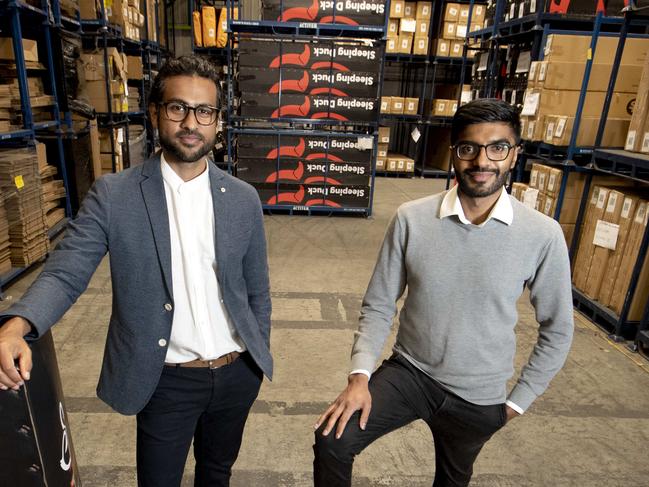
(156, 205)
(219, 191)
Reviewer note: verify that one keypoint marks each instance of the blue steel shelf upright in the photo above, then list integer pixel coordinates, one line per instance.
(360, 133)
(24, 20)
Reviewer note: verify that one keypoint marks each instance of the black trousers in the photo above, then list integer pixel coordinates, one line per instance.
(210, 406)
(401, 393)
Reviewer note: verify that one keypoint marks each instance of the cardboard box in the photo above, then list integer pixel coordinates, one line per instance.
(411, 106)
(312, 148)
(449, 30)
(288, 80)
(595, 211)
(30, 49)
(392, 45)
(384, 135)
(574, 49)
(443, 48)
(540, 102)
(396, 105)
(560, 130)
(568, 232)
(386, 104)
(380, 165)
(318, 107)
(555, 176)
(451, 108)
(440, 108)
(91, 66)
(393, 27)
(420, 46)
(135, 69)
(452, 12)
(640, 111)
(405, 43)
(464, 14)
(615, 259)
(382, 151)
(424, 10)
(457, 48)
(89, 9)
(297, 171)
(557, 75)
(368, 12)
(397, 9)
(601, 254)
(478, 15)
(410, 10)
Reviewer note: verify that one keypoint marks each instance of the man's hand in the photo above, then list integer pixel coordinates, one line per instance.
(355, 396)
(14, 347)
(511, 414)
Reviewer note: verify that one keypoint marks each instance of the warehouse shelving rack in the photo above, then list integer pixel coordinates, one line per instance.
(460, 66)
(589, 160)
(24, 18)
(217, 53)
(237, 125)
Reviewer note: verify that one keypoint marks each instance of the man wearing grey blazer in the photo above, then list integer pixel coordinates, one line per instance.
(188, 339)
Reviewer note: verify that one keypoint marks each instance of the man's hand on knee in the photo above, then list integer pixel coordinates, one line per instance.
(356, 396)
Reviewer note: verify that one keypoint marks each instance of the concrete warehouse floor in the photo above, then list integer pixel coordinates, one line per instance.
(591, 428)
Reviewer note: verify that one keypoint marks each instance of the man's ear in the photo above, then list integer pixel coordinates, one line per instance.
(153, 114)
(517, 153)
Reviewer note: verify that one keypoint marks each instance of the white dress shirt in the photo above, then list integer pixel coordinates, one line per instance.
(451, 206)
(201, 327)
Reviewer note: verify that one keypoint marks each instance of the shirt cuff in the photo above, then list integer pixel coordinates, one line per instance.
(361, 371)
(515, 407)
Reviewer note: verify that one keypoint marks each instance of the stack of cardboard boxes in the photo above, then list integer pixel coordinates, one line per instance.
(106, 150)
(11, 117)
(554, 86)
(543, 191)
(613, 228)
(123, 13)
(388, 161)
(409, 28)
(52, 189)
(21, 185)
(397, 105)
(92, 80)
(456, 27)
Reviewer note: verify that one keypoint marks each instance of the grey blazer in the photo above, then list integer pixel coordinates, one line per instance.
(125, 214)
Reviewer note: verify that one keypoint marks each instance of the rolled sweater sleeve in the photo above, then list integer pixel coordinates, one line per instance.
(551, 295)
(379, 305)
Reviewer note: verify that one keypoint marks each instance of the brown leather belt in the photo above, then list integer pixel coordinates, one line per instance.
(226, 359)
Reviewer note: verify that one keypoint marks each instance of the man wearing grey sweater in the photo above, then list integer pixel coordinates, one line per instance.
(465, 257)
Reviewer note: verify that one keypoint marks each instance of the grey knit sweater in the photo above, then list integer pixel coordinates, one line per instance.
(463, 281)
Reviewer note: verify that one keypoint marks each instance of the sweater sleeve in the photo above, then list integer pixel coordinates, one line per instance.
(551, 295)
(380, 302)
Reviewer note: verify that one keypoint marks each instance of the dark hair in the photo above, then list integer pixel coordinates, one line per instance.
(485, 110)
(183, 66)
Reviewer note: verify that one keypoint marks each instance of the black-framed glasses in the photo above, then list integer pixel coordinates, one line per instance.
(469, 151)
(177, 111)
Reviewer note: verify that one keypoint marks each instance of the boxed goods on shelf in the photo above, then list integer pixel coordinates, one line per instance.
(307, 172)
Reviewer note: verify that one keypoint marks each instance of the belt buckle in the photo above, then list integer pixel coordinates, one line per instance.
(211, 364)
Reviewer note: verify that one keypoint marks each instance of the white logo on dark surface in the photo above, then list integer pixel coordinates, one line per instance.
(66, 458)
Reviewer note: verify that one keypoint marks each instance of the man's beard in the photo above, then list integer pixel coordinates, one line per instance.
(184, 154)
(481, 191)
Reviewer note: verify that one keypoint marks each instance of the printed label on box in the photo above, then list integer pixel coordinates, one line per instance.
(532, 74)
(552, 181)
(532, 6)
(549, 132)
(606, 234)
(521, 9)
(530, 197)
(626, 208)
(415, 134)
(645, 142)
(534, 175)
(543, 69)
(561, 125)
(548, 206)
(601, 199)
(365, 143)
(612, 201)
(531, 103)
(530, 129)
(640, 214)
(630, 140)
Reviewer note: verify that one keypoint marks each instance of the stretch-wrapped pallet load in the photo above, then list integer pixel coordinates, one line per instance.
(21, 185)
(554, 86)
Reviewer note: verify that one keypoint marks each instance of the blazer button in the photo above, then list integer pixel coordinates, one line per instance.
(162, 342)
(168, 306)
